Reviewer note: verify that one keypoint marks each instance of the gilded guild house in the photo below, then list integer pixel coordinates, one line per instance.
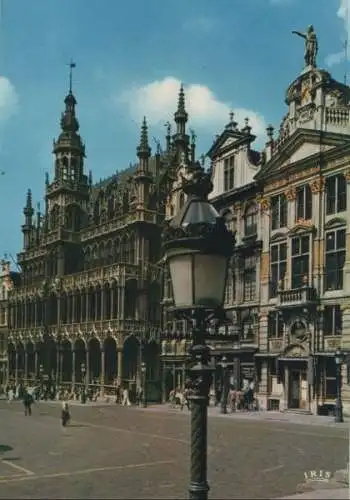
(305, 259)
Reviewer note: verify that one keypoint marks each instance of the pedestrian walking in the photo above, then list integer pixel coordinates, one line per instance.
(27, 401)
(126, 400)
(65, 414)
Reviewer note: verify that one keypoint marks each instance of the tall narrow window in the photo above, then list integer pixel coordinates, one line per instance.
(251, 220)
(249, 279)
(335, 259)
(278, 266)
(229, 173)
(332, 320)
(275, 325)
(335, 194)
(230, 288)
(278, 211)
(300, 260)
(304, 202)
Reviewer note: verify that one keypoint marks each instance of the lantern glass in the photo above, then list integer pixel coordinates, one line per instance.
(198, 279)
(337, 358)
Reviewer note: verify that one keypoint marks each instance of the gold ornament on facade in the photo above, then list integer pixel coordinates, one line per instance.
(264, 203)
(317, 185)
(291, 194)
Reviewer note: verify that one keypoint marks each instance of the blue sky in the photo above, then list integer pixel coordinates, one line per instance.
(130, 59)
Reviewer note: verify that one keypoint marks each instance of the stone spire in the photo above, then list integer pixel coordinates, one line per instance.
(181, 115)
(69, 147)
(143, 150)
(28, 220)
(181, 139)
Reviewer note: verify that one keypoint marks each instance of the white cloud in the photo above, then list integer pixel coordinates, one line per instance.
(158, 101)
(8, 99)
(343, 14)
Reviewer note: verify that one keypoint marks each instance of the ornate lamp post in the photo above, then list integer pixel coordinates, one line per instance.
(197, 247)
(83, 379)
(223, 408)
(338, 402)
(143, 402)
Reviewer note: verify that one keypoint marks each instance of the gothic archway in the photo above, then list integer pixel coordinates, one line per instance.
(110, 349)
(20, 360)
(131, 355)
(67, 361)
(30, 360)
(80, 359)
(95, 360)
(130, 299)
(151, 354)
(11, 350)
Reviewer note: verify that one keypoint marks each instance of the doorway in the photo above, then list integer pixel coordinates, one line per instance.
(297, 389)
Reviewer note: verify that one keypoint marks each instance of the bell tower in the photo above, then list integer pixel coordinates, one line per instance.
(69, 149)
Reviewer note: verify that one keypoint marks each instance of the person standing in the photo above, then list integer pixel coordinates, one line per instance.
(27, 401)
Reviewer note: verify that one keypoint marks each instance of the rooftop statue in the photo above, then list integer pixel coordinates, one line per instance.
(311, 46)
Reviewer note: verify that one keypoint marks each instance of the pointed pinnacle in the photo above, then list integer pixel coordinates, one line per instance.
(143, 149)
(181, 101)
(29, 199)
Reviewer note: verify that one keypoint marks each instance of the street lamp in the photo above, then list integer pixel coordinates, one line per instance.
(338, 402)
(143, 402)
(223, 408)
(83, 392)
(197, 247)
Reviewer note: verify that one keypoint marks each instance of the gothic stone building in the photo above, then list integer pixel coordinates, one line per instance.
(305, 259)
(8, 279)
(88, 308)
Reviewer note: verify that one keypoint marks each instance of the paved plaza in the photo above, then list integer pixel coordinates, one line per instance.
(114, 452)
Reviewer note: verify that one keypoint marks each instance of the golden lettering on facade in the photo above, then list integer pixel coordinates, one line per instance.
(291, 194)
(317, 185)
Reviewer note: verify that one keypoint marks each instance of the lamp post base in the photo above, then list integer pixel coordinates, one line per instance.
(201, 377)
(338, 414)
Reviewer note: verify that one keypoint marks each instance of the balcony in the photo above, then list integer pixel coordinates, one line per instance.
(296, 296)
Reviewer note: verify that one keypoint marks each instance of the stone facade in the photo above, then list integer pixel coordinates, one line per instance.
(8, 279)
(87, 311)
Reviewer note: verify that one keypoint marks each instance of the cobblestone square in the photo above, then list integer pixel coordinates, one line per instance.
(115, 452)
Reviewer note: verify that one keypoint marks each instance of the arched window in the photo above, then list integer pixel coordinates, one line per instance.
(54, 217)
(73, 170)
(64, 168)
(251, 220)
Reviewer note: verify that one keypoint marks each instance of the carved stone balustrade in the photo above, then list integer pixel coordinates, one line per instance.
(296, 296)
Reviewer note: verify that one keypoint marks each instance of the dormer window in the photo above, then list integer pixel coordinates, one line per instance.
(304, 203)
(229, 173)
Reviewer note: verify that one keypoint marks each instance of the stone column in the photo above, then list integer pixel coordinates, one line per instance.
(87, 311)
(102, 377)
(16, 369)
(25, 365)
(291, 197)
(103, 303)
(284, 402)
(73, 369)
(121, 302)
(36, 358)
(112, 297)
(345, 345)
(120, 366)
(74, 308)
(87, 365)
